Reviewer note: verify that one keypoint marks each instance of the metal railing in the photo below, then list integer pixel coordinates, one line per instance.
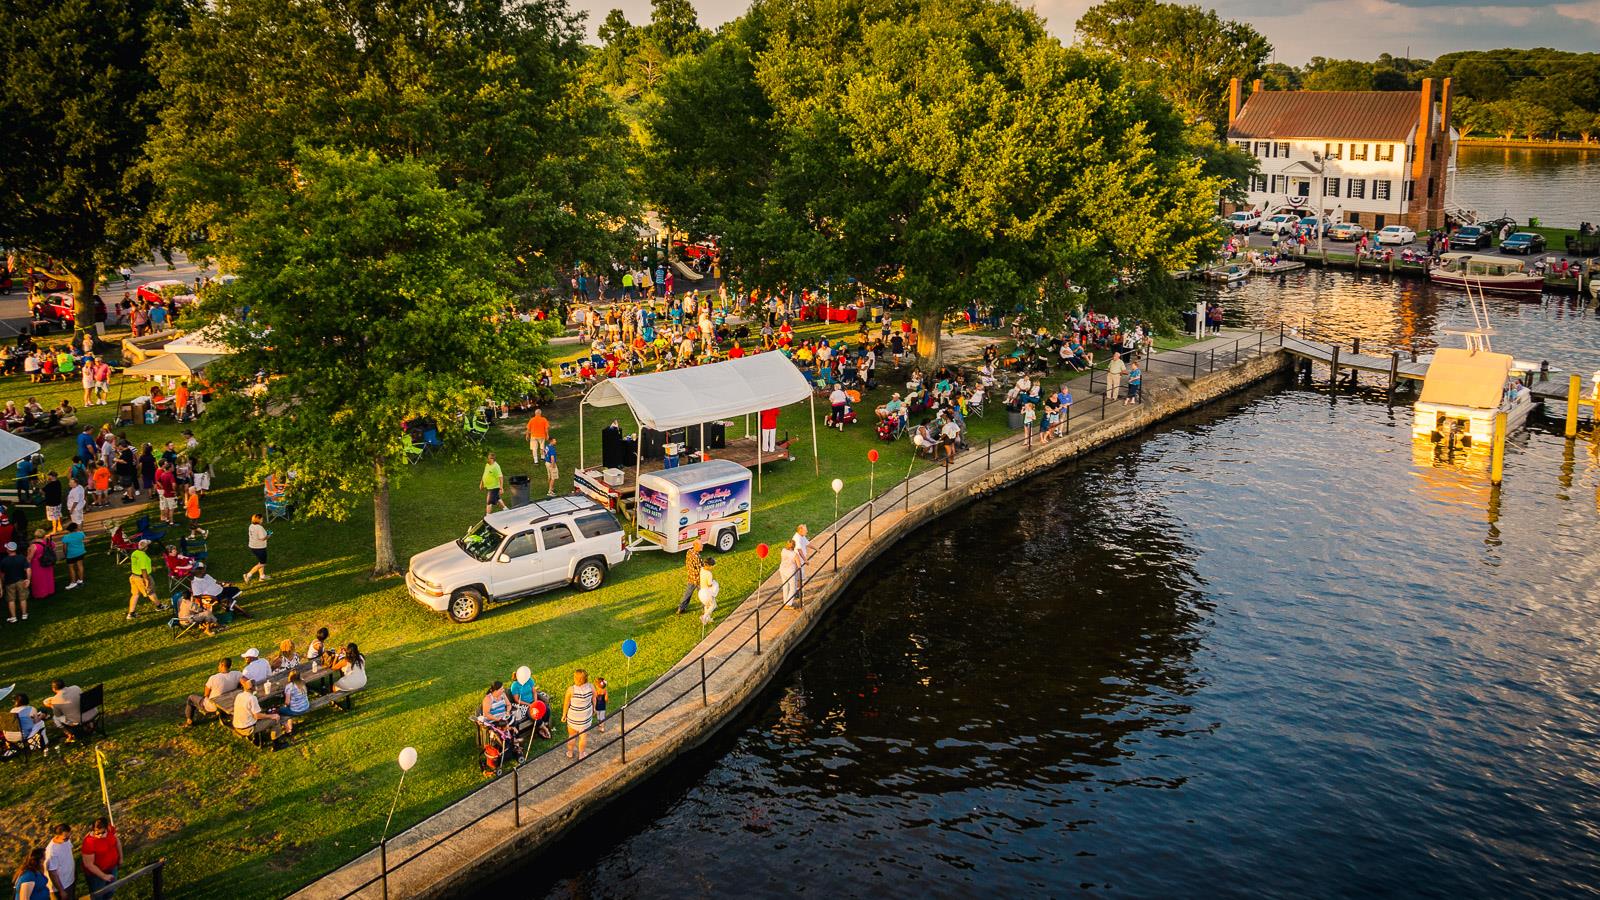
(706, 662)
(124, 882)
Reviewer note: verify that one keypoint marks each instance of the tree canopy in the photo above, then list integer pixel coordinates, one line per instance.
(372, 299)
(486, 92)
(77, 101)
(948, 152)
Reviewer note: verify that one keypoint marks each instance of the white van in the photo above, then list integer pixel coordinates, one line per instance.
(518, 552)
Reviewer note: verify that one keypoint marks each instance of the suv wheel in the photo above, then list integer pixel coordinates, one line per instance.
(725, 540)
(465, 605)
(590, 575)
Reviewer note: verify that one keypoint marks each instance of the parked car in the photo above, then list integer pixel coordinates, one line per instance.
(1346, 231)
(60, 307)
(161, 291)
(1396, 234)
(1312, 225)
(519, 552)
(1524, 242)
(1243, 222)
(1281, 222)
(1471, 237)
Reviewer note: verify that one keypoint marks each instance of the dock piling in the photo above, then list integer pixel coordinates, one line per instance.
(1497, 461)
(1333, 367)
(1355, 346)
(1394, 374)
(1574, 388)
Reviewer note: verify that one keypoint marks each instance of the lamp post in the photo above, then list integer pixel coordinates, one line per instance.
(1322, 200)
(408, 758)
(838, 485)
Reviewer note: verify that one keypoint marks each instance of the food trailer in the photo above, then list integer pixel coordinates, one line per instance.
(711, 499)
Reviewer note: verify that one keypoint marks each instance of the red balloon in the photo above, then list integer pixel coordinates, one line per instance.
(872, 455)
(539, 709)
(762, 550)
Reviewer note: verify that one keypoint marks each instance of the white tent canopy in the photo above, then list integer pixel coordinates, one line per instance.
(180, 365)
(206, 340)
(681, 397)
(14, 448)
(662, 401)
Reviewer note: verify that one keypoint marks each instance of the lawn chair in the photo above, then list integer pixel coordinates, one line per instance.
(91, 714)
(180, 571)
(192, 621)
(414, 450)
(11, 741)
(195, 545)
(476, 428)
(277, 507)
(121, 546)
(148, 533)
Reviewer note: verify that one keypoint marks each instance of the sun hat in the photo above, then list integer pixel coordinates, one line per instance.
(252, 653)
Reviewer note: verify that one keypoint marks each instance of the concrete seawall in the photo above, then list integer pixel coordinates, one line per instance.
(449, 853)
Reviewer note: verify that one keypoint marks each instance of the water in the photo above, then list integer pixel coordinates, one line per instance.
(1263, 651)
(1557, 186)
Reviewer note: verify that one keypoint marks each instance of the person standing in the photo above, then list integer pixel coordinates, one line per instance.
(538, 434)
(789, 575)
(60, 865)
(30, 882)
(577, 710)
(691, 571)
(166, 491)
(42, 555)
(140, 583)
(1114, 372)
(493, 480)
(709, 589)
(54, 501)
(802, 555)
(72, 545)
(551, 470)
(102, 854)
(1135, 377)
(257, 541)
(14, 573)
(77, 500)
(769, 430)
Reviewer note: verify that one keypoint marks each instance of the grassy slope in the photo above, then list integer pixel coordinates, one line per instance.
(267, 822)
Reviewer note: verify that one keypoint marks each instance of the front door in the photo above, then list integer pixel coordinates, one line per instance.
(1300, 187)
(1377, 222)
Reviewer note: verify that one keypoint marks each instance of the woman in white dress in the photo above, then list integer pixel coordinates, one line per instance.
(354, 668)
(577, 710)
(789, 574)
(709, 589)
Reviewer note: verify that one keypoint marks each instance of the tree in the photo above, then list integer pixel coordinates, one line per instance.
(488, 93)
(77, 101)
(1531, 119)
(1322, 74)
(675, 28)
(1186, 52)
(946, 151)
(1581, 123)
(373, 300)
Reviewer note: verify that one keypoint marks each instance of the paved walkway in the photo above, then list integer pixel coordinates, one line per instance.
(731, 665)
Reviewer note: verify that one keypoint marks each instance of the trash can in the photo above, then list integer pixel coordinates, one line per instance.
(139, 406)
(1188, 321)
(1013, 419)
(517, 486)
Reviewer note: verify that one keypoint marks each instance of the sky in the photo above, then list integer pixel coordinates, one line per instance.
(1301, 29)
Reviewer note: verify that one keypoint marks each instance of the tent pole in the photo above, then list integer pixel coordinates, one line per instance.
(703, 455)
(760, 452)
(816, 463)
(638, 469)
(581, 402)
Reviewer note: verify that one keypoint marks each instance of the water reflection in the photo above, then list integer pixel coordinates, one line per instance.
(1555, 185)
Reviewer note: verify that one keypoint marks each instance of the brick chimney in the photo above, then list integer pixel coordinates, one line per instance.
(1255, 86)
(1424, 133)
(1444, 108)
(1233, 100)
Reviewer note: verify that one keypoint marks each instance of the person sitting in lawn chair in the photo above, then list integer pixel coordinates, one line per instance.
(195, 611)
(223, 596)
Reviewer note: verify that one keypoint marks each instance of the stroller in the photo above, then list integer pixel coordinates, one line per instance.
(890, 428)
(498, 747)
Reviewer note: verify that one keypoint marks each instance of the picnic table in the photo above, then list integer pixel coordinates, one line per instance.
(323, 677)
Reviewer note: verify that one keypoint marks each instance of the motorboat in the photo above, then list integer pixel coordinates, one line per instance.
(1492, 274)
(1232, 274)
(1462, 393)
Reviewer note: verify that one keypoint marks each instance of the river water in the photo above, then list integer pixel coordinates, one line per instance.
(1561, 187)
(1263, 650)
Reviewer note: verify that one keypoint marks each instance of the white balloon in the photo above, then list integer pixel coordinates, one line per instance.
(838, 485)
(408, 758)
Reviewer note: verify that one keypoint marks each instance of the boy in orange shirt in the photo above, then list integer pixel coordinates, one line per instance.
(102, 484)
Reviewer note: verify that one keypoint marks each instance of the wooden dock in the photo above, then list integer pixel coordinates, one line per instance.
(1553, 394)
(1351, 360)
(1279, 267)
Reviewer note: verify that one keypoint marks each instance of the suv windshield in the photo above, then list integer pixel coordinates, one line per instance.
(481, 542)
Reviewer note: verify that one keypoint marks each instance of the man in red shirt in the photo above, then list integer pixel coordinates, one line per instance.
(102, 854)
(736, 352)
(167, 490)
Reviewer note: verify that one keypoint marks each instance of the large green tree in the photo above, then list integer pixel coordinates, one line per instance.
(947, 151)
(488, 92)
(373, 299)
(77, 101)
(1189, 53)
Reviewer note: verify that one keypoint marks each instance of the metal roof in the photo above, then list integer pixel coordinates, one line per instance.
(1329, 115)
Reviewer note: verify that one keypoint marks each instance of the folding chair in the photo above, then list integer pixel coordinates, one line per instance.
(121, 546)
(277, 509)
(148, 533)
(195, 545)
(477, 429)
(11, 738)
(180, 571)
(91, 713)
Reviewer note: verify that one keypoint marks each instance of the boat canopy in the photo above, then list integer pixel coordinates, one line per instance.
(1485, 265)
(1460, 377)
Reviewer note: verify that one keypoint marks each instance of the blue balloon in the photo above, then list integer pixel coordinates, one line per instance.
(630, 647)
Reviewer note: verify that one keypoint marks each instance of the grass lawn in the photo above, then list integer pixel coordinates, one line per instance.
(235, 821)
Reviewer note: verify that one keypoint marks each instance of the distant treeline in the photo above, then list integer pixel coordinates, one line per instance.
(1507, 93)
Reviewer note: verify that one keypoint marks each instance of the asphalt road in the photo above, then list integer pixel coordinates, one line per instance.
(14, 306)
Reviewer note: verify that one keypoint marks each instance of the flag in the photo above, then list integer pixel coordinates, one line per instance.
(105, 794)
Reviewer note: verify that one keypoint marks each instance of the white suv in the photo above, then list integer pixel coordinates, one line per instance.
(1280, 223)
(518, 552)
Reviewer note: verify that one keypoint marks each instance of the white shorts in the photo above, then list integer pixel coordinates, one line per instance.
(169, 503)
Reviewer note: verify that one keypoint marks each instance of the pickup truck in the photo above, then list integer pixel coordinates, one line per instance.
(519, 552)
(1243, 222)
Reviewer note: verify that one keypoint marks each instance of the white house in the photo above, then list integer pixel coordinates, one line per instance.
(1375, 158)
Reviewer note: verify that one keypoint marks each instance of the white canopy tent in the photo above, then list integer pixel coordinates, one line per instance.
(206, 340)
(178, 364)
(14, 448)
(679, 398)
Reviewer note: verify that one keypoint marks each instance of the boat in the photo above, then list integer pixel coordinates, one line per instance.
(1231, 274)
(1494, 274)
(1466, 388)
